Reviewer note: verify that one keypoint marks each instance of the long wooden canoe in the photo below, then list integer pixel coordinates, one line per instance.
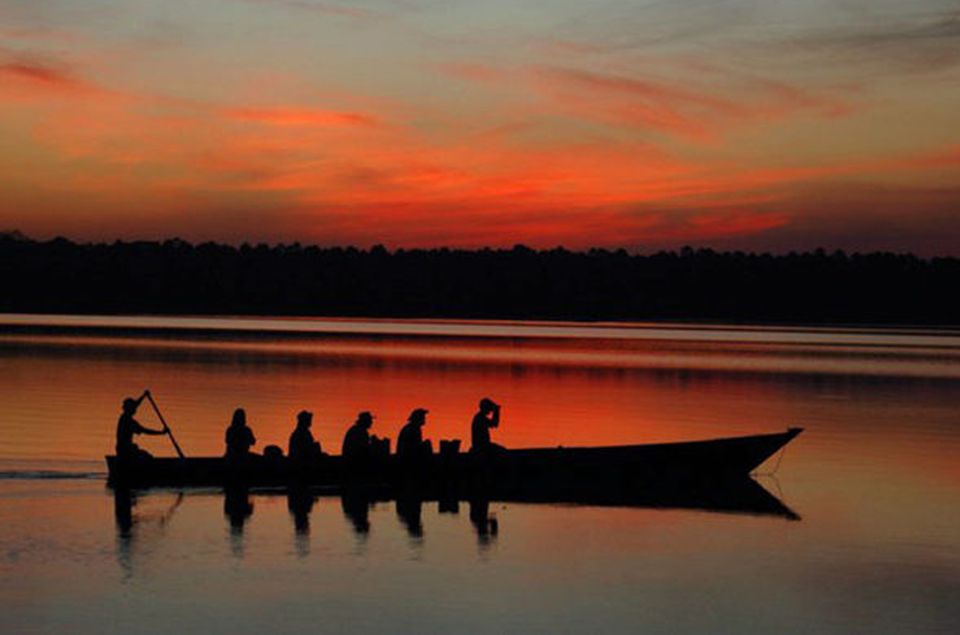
(614, 467)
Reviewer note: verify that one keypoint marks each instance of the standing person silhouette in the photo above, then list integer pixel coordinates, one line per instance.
(127, 426)
(487, 417)
(239, 437)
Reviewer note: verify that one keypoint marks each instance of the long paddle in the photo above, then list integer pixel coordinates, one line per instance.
(176, 446)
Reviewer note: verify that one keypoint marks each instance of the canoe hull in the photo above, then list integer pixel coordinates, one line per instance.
(615, 467)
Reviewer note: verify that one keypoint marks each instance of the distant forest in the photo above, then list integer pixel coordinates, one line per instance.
(176, 277)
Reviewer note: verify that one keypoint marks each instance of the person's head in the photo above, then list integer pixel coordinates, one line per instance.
(130, 405)
(365, 419)
(304, 419)
(239, 417)
(418, 416)
(487, 405)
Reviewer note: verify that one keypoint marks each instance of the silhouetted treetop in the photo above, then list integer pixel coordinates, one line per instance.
(175, 276)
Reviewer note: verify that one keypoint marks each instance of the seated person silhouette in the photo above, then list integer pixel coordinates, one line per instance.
(410, 443)
(127, 426)
(239, 437)
(357, 441)
(303, 447)
(487, 417)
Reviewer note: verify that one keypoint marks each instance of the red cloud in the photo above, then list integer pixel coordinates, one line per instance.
(346, 176)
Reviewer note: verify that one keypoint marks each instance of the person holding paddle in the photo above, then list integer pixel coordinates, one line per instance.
(127, 426)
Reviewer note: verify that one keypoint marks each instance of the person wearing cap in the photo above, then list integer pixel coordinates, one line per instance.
(127, 426)
(302, 446)
(239, 437)
(487, 417)
(356, 443)
(410, 443)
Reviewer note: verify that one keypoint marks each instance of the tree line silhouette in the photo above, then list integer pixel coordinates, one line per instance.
(177, 277)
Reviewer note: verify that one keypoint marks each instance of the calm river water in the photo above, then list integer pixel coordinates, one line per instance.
(874, 478)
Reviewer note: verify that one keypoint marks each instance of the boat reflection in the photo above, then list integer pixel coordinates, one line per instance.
(300, 503)
(739, 496)
(486, 526)
(410, 512)
(237, 508)
(356, 508)
(130, 526)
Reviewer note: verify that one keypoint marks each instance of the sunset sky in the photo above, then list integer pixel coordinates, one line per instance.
(754, 124)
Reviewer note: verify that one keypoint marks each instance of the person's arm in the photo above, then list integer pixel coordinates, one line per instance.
(495, 419)
(140, 429)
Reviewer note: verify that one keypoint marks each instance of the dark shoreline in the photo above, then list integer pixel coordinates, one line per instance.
(690, 287)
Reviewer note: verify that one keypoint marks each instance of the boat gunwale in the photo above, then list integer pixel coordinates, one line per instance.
(787, 435)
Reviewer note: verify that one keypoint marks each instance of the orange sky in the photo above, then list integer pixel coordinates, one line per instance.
(735, 124)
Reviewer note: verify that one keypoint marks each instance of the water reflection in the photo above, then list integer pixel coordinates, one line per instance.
(356, 508)
(877, 472)
(129, 525)
(634, 400)
(743, 496)
(863, 565)
(238, 508)
(486, 526)
(409, 511)
(300, 502)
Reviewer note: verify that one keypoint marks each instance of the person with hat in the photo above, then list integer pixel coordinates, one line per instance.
(303, 447)
(239, 437)
(410, 443)
(487, 417)
(127, 426)
(356, 443)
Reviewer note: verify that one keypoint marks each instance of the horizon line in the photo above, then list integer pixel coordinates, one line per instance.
(684, 250)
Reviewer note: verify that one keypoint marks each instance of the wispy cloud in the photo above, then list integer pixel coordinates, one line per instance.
(917, 41)
(40, 74)
(473, 71)
(293, 116)
(678, 108)
(635, 104)
(37, 34)
(620, 123)
(946, 158)
(323, 8)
